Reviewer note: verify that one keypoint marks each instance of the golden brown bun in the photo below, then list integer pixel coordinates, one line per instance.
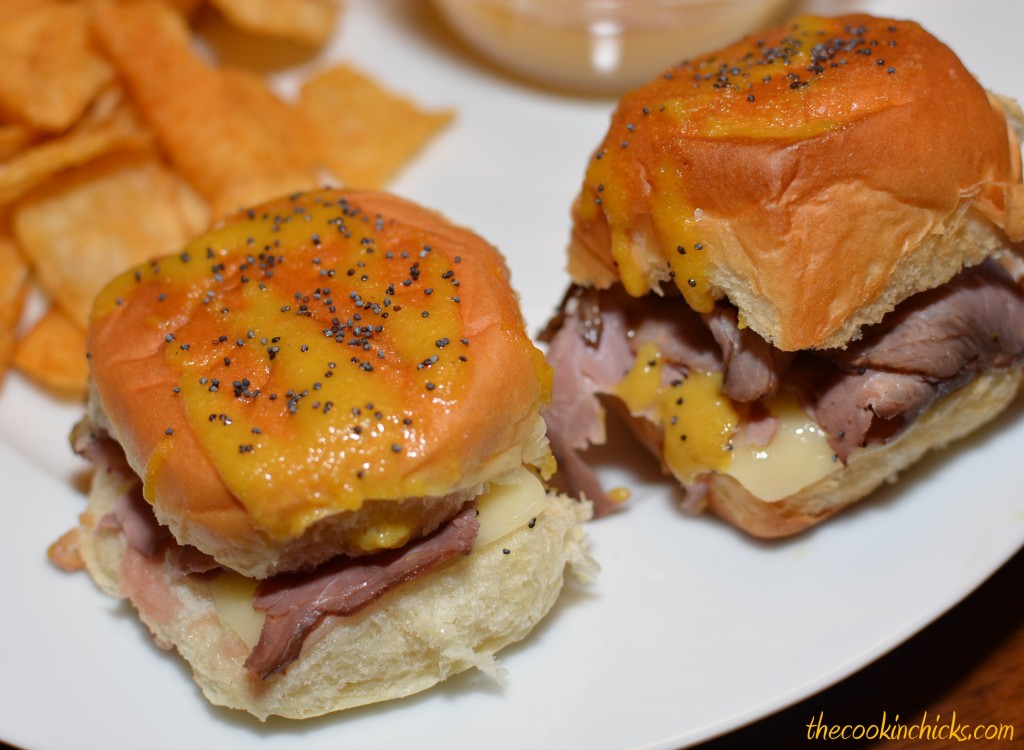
(317, 376)
(419, 634)
(952, 417)
(813, 198)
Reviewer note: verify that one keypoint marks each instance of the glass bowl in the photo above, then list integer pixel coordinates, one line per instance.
(601, 46)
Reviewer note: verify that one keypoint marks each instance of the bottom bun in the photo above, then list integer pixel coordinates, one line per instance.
(412, 638)
(953, 416)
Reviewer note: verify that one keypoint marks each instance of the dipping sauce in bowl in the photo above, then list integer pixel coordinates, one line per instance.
(601, 46)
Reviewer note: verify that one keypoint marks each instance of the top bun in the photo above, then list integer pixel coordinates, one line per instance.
(335, 372)
(815, 174)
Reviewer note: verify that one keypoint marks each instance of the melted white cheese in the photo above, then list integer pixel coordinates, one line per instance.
(797, 456)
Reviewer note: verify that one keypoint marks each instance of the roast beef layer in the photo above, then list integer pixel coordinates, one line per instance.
(867, 393)
(295, 603)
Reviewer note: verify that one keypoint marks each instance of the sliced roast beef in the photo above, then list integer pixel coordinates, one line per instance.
(932, 344)
(592, 344)
(134, 517)
(296, 603)
(576, 476)
(669, 323)
(91, 442)
(588, 353)
(856, 409)
(974, 322)
(588, 358)
(751, 367)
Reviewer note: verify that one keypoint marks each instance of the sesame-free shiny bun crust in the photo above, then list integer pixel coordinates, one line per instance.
(815, 175)
(329, 373)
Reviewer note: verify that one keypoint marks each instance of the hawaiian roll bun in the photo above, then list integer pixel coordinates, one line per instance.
(749, 174)
(426, 630)
(317, 376)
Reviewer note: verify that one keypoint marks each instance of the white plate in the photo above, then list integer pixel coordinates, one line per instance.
(691, 629)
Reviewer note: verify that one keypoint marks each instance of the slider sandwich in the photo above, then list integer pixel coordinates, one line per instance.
(796, 269)
(320, 456)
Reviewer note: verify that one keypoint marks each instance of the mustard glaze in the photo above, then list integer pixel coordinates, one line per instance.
(308, 370)
(767, 87)
(696, 419)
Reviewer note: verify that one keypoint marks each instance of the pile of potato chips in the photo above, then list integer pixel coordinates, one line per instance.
(119, 141)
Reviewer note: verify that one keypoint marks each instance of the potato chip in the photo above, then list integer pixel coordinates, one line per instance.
(118, 141)
(92, 137)
(225, 131)
(14, 137)
(100, 219)
(306, 21)
(14, 274)
(52, 353)
(66, 552)
(187, 8)
(363, 132)
(51, 72)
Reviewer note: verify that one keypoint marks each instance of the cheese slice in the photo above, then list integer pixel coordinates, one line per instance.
(797, 456)
(509, 506)
(232, 598)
